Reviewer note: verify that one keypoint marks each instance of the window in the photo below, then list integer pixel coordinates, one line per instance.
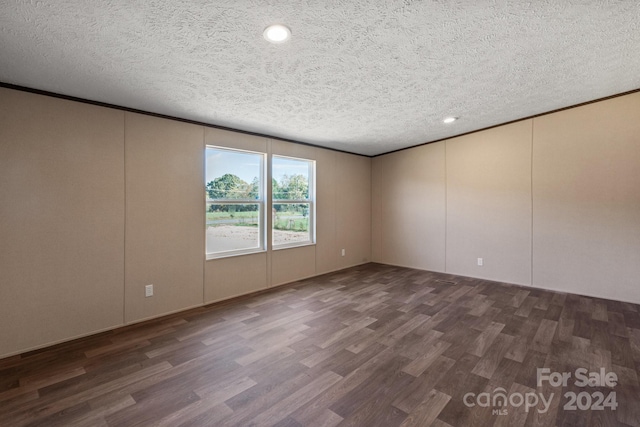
(235, 199)
(293, 208)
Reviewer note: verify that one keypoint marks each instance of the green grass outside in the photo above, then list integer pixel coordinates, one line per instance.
(292, 224)
(251, 220)
(231, 215)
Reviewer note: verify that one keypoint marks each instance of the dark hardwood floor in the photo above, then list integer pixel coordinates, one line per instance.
(369, 346)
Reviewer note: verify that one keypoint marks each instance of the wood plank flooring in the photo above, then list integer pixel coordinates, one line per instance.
(373, 345)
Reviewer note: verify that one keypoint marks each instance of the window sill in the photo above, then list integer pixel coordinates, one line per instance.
(230, 254)
(293, 245)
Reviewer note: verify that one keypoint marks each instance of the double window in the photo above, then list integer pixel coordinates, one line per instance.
(237, 207)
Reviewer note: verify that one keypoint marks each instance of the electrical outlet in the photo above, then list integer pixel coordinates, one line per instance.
(344, 252)
(480, 262)
(148, 291)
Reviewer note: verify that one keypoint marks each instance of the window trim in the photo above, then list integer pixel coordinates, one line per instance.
(261, 201)
(311, 201)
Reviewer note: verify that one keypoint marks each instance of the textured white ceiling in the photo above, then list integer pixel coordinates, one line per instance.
(365, 76)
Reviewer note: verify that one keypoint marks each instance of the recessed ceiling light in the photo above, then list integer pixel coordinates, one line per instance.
(277, 33)
(450, 120)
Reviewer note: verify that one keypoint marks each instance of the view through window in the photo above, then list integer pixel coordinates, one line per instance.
(292, 201)
(235, 201)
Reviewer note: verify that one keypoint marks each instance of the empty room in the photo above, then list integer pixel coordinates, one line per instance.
(343, 213)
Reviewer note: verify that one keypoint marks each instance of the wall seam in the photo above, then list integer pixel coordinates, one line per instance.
(446, 212)
(336, 244)
(124, 242)
(531, 272)
(315, 213)
(204, 209)
(371, 209)
(268, 237)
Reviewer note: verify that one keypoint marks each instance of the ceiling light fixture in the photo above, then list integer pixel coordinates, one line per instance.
(450, 120)
(277, 33)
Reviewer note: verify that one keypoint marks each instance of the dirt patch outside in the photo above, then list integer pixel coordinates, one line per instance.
(232, 237)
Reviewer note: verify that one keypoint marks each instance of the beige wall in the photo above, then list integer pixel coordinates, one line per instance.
(551, 202)
(353, 209)
(409, 208)
(327, 255)
(586, 199)
(234, 276)
(61, 220)
(97, 203)
(164, 243)
(488, 190)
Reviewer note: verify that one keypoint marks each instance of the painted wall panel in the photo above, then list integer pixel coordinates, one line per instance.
(327, 257)
(489, 204)
(61, 220)
(283, 148)
(378, 177)
(165, 215)
(586, 199)
(409, 208)
(353, 209)
(237, 140)
(233, 276)
(289, 265)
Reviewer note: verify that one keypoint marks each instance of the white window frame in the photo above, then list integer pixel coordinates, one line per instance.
(311, 201)
(261, 202)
